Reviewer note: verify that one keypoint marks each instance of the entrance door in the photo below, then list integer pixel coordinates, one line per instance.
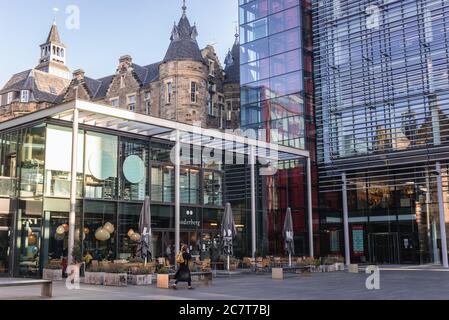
(384, 248)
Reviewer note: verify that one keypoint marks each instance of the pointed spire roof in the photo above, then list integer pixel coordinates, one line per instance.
(53, 35)
(232, 62)
(183, 44)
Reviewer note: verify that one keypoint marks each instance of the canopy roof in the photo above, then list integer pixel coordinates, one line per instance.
(114, 119)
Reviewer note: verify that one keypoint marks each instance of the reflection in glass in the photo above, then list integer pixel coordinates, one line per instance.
(58, 162)
(32, 162)
(134, 157)
(101, 166)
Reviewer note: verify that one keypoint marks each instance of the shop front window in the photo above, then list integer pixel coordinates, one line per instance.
(100, 229)
(134, 160)
(212, 189)
(29, 237)
(8, 161)
(6, 216)
(162, 183)
(32, 162)
(189, 186)
(58, 156)
(128, 232)
(101, 166)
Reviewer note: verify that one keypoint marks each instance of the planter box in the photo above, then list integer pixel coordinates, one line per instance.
(96, 278)
(353, 268)
(163, 281)
(116, 279)
(51, 274)
(141, 280)
(277, 274)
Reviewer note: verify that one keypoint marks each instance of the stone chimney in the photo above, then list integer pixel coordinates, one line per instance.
(78, 74)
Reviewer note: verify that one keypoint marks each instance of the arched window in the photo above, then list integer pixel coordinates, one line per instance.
(62, 53)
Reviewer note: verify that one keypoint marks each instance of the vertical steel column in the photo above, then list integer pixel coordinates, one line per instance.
(442, 216)
(73, 176)
(346, 220)
(252, 163)
(177, 193)
(310, 209)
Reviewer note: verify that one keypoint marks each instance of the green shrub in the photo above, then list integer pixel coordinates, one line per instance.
(163, 270)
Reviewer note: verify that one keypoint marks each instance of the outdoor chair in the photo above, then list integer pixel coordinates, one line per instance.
(206, 265)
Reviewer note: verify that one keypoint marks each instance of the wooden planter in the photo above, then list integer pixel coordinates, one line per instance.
(163, 281)
(52, 274)
(116, 279)
(141, 280)
(96, 278)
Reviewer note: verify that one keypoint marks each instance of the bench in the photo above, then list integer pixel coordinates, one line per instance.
(46, 285)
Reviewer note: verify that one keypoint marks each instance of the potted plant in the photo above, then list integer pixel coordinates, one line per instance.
(141, 277)
(94, 275)
(116, 276)
(163, 278)
(317, 265)
(52, 271)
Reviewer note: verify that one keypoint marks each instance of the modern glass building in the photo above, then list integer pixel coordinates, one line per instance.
(277, 106)
(120, 158)
(381, 76)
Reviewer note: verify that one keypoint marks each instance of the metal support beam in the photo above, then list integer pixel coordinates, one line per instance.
(442, 216)
(346, 220)
(310, 208)
(72, 214)
(177, 192)
(252, 163)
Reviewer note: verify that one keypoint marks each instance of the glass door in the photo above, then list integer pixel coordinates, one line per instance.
(384, 248)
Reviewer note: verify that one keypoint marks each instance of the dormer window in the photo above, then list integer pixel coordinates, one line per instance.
(24, 96)
(9, 97)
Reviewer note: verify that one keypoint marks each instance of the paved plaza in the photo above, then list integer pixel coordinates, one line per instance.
(396, 284)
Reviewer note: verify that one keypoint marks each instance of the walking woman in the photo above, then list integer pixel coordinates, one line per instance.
(183, 273)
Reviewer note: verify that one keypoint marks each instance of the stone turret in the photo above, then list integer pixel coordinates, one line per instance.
(184, 76)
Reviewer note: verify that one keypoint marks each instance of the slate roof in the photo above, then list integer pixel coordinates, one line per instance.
(98, 88)
(183, 44)
(44, 87)
(232, 63)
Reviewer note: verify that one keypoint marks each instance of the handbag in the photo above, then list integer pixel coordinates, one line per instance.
(180, 258)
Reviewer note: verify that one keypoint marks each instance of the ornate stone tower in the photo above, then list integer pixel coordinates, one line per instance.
(184, 77)
(53, 55)
(231, 87)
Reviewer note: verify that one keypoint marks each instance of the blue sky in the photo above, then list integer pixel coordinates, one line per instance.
(108, 30)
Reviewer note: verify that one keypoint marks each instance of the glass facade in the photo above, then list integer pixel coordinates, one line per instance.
(381, 76)
(114, 175)
(277, 106)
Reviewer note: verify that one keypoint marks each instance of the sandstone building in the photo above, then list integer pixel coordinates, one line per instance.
(189, 85)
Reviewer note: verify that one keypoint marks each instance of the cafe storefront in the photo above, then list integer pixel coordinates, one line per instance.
(118, 158)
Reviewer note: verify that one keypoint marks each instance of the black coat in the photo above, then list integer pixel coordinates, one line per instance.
(183, 273)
